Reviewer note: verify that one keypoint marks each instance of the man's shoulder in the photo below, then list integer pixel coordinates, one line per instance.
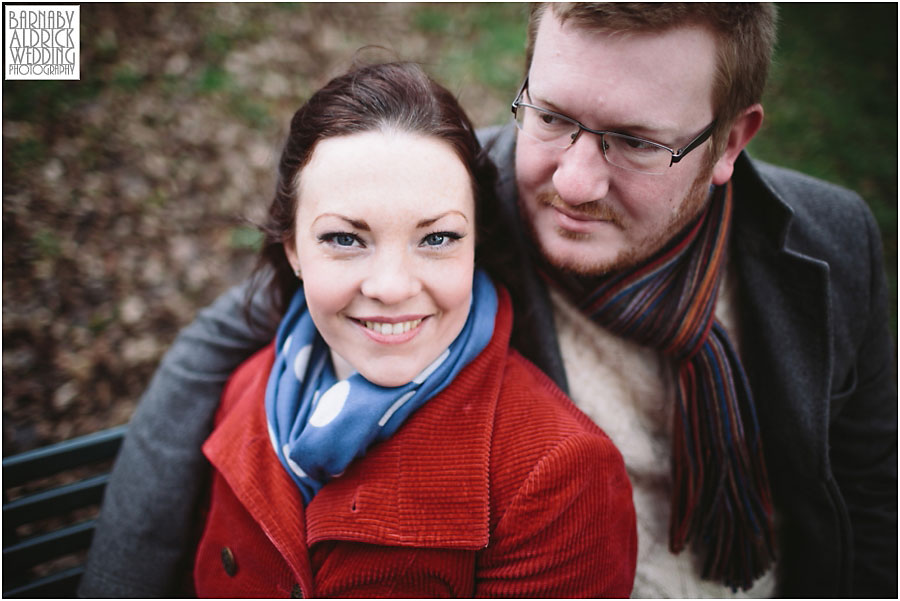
(795, 187)
(819, 212)
(807, 196)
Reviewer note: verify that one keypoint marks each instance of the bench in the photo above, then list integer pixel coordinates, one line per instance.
(51, 497)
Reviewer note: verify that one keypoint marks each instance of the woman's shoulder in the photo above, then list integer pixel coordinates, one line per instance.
(558, 490)
(535, 420)
(248, 381)
(528, 395)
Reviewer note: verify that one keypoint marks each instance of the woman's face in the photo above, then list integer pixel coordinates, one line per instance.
(385, 245)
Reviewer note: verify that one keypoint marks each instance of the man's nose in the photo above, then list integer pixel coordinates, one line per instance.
(392, 277)
(582, 172)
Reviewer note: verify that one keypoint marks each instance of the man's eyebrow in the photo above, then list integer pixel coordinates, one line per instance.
(643, 130)
(356, 223)
(429, 222)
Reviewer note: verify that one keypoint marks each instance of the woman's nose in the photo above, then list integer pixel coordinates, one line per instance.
(392, 277)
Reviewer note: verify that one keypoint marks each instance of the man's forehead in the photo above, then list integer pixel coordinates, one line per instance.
(667, 76)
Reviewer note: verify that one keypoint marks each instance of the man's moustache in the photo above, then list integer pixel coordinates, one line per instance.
(590, 210)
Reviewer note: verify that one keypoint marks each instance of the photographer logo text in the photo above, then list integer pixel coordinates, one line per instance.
(42, 42)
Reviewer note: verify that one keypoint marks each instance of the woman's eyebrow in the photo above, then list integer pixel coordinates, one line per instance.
(429, 222)
(356, 223)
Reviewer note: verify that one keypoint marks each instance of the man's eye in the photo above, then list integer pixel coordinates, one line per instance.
(640, 144)
(548, 119)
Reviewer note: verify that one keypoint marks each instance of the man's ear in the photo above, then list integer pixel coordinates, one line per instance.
(290, 251)
(742, 131)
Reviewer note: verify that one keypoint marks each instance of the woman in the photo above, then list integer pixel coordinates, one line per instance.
(389, 442)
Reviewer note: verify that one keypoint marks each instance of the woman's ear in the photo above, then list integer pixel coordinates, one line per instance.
(290, 251)
(742, 131)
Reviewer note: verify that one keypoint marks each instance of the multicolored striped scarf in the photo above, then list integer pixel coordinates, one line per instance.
(721, 496)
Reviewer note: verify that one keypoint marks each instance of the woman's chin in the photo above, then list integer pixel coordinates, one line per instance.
(388, 380)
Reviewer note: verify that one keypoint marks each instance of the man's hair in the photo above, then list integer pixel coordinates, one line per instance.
(745, 37)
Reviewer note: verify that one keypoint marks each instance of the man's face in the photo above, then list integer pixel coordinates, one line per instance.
(586, 215)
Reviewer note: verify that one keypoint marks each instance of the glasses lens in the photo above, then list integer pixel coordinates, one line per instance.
(635, 154)
(545, 126)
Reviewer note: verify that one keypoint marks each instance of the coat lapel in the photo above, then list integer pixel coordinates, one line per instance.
(241, 451)
(786, 329)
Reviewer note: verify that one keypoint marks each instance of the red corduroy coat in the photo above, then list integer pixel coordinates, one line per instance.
(496, 487)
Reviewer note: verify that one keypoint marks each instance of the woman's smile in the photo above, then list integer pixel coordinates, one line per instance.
(386, 330)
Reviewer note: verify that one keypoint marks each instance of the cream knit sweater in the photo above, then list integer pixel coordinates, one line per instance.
(629, 391)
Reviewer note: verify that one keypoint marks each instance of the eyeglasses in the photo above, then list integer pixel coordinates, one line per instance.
(623, 151)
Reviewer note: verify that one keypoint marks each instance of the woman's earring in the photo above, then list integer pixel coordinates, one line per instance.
(297, 273)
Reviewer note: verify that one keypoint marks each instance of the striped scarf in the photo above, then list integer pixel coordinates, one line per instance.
(720, 495)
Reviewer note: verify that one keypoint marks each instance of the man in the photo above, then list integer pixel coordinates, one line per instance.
(723, 320)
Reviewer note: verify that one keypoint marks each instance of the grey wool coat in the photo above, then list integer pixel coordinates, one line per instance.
(816, 346)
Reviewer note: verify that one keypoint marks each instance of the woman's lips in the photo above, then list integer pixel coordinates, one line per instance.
(391, 330)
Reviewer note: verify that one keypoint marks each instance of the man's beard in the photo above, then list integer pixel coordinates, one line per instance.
(686, 212)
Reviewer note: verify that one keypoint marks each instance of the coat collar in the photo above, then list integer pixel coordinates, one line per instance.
(427, 486)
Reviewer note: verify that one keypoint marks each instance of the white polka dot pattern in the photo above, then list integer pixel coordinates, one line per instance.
(301, 361)
(431, 368)
(330, 404)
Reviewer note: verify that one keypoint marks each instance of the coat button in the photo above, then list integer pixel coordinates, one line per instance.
(296, 592)
(228, 561)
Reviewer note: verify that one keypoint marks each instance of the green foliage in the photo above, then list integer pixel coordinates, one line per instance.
(39, 101)
(212, 79)
(127, 79)
(47, 244)
(831, 105)
(483, 44)
(246, 237)
(255, 114)
(25, 152)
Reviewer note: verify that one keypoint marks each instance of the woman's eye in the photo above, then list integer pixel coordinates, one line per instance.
(438, 239)
(342, 239)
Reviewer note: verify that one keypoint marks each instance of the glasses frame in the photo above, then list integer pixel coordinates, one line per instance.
(677, 153)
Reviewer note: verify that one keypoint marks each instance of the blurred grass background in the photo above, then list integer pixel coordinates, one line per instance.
(128, 195)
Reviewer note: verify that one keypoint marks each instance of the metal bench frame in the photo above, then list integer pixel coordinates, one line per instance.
(22, 554)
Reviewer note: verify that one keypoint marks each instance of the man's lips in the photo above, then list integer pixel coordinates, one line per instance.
(585, 215)
(578, 216)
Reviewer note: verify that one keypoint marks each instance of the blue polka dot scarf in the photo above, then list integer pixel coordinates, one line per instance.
(318, 425)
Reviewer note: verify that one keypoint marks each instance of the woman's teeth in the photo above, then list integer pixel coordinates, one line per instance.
(390, 329)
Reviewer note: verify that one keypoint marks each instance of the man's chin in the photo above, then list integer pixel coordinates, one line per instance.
(585, 260)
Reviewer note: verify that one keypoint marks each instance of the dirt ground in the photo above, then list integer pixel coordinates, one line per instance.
(129, 197)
